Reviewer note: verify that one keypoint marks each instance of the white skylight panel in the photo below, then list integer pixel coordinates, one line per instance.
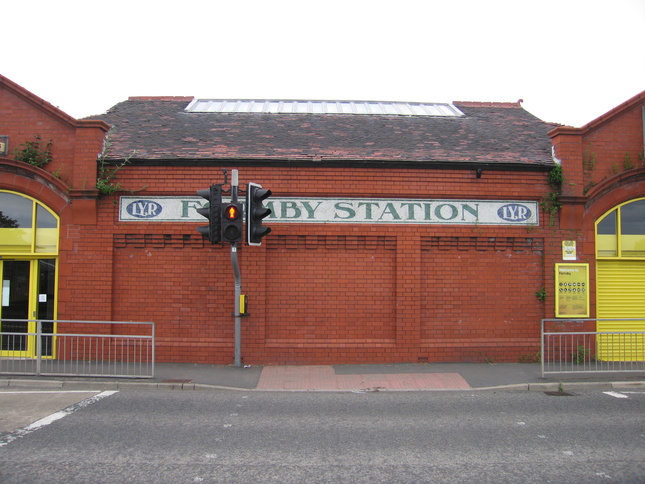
(417, 110)
(389, 109)
(361, 108)
(322, 107)
(317, 107)
(346, 107)
(256, 107)
(274, 107)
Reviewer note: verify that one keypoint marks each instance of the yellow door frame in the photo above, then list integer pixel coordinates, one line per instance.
(43, 230)
(32, 308)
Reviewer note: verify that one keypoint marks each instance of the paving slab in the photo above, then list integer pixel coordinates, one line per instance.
(312, 378)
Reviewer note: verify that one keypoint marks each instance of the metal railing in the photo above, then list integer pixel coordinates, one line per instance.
(121, 349)
(574, 346)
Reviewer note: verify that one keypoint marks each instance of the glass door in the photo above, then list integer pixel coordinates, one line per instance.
(45, 307)
(28, 293)
(15, 304)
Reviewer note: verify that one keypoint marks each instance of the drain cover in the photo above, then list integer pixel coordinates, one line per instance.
(559, 394)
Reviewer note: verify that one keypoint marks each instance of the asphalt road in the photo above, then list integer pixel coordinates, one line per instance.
(406, 437)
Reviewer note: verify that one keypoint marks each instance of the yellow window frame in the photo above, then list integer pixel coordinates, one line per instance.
(50, 236)
(606, 242)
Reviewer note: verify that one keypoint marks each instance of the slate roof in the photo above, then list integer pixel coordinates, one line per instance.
(159, 130)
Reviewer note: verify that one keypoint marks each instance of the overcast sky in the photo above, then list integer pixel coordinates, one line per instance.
(569, 60)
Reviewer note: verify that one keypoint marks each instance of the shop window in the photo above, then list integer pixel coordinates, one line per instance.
(26, 226)
(621, 232)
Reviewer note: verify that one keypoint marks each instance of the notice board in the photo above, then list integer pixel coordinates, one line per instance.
(572, 290)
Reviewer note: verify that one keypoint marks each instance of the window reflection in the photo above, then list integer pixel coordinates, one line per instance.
(632, 228)
(632, 218)
(607, 226)
(16, 211)
(44, 219)
(607, 240)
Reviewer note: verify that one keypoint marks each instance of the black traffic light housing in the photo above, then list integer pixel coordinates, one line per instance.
(255, 213)
(212, 212)
(232, 222)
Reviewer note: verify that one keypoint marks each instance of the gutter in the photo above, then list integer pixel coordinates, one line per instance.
(336, 163)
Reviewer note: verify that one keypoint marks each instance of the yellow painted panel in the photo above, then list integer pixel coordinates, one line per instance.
(15, 240)
(607, 245)
(632, 245)
(621, 294)
(47, 240)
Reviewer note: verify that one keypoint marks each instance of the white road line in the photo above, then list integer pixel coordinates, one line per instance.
(38, 424)
(616, 394)
(36, 392)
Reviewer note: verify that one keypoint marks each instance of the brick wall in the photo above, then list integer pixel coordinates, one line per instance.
(320, 293)
(325, 293)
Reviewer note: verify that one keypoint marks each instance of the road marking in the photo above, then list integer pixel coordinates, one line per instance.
(36, 392)
(616, 394)
(38, 424)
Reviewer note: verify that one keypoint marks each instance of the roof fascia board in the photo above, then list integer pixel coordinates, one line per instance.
(381, 164)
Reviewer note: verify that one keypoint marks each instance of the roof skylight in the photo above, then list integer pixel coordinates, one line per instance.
(322, 107)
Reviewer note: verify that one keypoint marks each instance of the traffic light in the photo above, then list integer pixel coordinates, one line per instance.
(212, 212)
(232, 222)
(255, 213)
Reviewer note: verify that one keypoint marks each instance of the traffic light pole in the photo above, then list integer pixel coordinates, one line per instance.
(238, 283)
(238, 317)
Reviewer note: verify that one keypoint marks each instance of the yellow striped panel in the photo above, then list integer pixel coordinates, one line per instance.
(620, 293)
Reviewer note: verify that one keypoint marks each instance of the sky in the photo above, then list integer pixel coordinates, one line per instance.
(570, 61)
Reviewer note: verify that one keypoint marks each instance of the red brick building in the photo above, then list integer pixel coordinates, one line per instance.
(603, 209)
(401, 232)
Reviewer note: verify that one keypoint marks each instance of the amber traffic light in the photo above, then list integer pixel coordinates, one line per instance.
(232, 222)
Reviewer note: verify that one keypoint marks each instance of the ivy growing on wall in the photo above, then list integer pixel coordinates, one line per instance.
(105, 181)
(551, 201)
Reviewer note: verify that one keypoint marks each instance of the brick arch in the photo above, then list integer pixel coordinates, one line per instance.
(614, 191)
(35, 182)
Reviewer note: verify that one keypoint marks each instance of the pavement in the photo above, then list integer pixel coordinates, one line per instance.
(354, 378)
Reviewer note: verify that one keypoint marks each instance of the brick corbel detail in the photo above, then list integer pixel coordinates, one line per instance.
(84, 206)
(571, 213)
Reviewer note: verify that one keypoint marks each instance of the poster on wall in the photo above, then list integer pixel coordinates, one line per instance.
(569, 250)
(572, 290)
